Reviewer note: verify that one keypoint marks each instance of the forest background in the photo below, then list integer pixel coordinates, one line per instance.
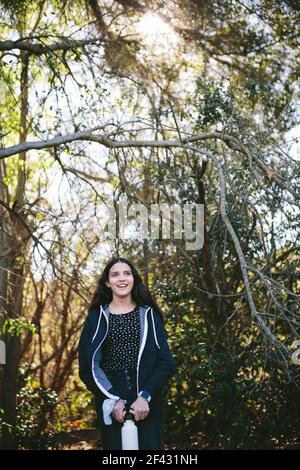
(171, 102)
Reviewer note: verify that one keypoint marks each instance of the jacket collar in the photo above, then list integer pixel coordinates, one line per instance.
(105, 310)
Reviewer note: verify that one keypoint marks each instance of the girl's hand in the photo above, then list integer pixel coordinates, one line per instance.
(140, 409)
(118, 411)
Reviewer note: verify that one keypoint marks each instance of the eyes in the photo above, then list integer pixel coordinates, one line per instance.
(127, 273)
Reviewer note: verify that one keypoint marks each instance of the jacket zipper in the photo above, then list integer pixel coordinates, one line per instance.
(154, 330)
(98, 383)
(98, 323)
(141, 350)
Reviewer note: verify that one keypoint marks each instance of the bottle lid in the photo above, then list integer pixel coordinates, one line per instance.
(129, 416)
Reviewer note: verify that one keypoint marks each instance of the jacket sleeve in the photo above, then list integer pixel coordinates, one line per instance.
(165, 366)
(85, 372)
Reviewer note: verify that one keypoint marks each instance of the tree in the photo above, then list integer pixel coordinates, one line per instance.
(175, 130)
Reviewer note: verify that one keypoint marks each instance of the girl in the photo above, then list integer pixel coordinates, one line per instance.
(124, 358)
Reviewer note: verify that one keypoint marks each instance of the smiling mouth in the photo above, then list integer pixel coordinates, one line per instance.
(122, 286)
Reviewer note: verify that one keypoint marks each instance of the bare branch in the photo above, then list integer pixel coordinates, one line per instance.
(243, 263)
(105, 140)
(40, 49)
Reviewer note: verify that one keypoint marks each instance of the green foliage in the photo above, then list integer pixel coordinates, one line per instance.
(231, 406)
(236, 70)
(16, 326)
(15, 7)
(4, 426)
(225, 395)
(214, 104)
(35, 415)
(75, 411)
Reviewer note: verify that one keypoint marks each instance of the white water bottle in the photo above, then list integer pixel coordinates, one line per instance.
(129, 432)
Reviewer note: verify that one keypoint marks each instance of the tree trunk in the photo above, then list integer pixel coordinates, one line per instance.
(14, 237)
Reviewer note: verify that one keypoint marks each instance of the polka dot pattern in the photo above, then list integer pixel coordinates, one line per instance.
(120, 348)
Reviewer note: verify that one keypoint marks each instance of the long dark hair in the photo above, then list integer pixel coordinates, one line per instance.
(140, 293)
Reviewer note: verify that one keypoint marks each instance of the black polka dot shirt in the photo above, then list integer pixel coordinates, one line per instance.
(120, 348)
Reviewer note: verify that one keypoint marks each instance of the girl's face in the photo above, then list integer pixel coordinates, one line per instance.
(120, 279)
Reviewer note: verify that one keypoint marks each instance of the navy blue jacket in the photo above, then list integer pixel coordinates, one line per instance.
(155, 363)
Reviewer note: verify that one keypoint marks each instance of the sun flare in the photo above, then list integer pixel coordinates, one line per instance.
(155, 30)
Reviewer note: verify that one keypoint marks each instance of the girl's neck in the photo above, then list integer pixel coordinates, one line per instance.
(118, 305)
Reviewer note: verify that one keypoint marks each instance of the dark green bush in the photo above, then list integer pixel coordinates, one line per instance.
(35, 416)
